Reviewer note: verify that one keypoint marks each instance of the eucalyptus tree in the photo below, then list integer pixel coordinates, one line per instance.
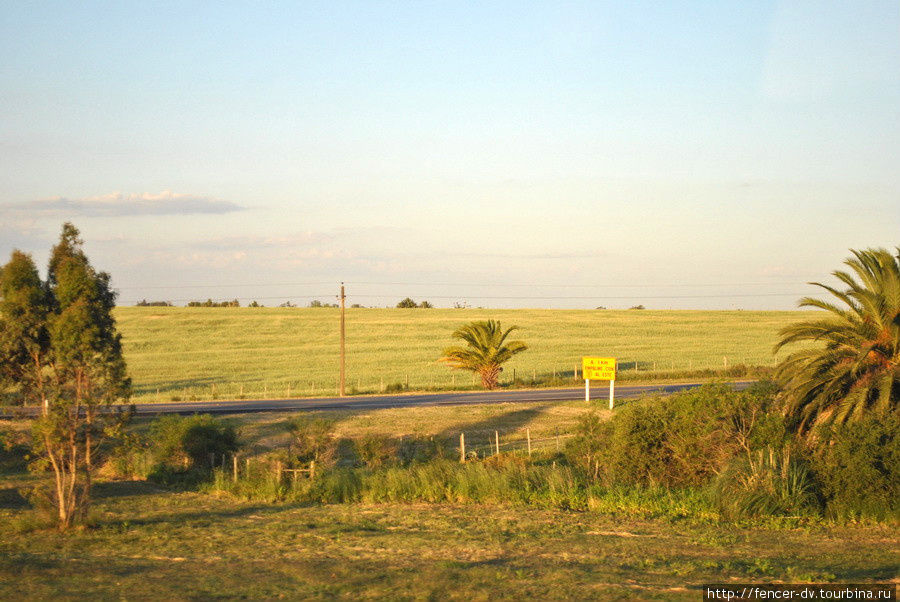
(69, 359)
(485, 352)
(850, 366)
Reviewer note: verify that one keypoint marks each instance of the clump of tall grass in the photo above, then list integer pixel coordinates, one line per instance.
(766, 482)
(503, 480)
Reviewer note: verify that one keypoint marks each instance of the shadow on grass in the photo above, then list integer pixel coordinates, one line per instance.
(180, 388)
(11, 499)
(201, 516)
(504, 423)
(117, 489)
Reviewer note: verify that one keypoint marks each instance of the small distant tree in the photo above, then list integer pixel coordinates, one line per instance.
(485, 352)
(637, 307)
(407, 304)
(60, 348)
(426, 305)
(255, 304)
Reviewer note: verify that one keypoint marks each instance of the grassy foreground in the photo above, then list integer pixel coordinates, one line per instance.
(205, 353)
(149, 543)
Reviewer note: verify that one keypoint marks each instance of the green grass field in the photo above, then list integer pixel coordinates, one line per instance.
(148, 543)
(206, 353)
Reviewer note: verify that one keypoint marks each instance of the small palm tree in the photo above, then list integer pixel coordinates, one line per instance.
(857, 372)
(485, 350)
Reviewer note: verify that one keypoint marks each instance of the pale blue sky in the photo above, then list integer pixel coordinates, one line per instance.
(675, 154)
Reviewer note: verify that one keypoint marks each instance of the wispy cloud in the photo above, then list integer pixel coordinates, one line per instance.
(119, 204)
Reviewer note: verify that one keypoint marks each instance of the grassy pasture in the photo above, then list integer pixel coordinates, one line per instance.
(202, 353)
(148, 543)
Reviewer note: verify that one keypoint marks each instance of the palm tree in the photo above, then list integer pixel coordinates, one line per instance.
(485, 350)
(858, 370)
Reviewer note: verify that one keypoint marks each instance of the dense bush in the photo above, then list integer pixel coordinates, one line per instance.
(680, 440)
(312, 440)
(859, 468)
(377, 450)
(189, 442)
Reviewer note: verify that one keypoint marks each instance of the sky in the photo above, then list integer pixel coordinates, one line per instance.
(685, 155)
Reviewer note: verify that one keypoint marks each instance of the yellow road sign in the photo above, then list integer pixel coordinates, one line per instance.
(599, 368)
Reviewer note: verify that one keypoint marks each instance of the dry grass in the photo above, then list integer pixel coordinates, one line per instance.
(152, 544)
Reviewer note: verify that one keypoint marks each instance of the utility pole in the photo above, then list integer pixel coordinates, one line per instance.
(342, 340)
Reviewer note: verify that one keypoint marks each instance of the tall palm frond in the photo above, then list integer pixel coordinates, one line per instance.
(485, 351)
(857, 370)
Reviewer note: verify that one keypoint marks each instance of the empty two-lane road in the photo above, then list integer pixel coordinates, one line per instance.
(415, 400)
(600, 393)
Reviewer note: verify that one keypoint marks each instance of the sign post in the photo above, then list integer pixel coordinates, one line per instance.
(599, 368)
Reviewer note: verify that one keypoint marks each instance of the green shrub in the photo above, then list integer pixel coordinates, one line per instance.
(395, 388)
(376, 450)
(183, 443)
(588, 448)
(130, 457)
(312, 440)
(422, 449)
(858, 467)
(678, 441)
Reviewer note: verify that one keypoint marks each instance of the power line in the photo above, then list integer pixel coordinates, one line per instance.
(535, 285)
(190, 286)
(460, 284)
(518, 297)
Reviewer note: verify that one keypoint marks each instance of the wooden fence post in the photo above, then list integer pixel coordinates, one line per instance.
(462, 447)
(234, 467)
(278, 472)
(497, 441)
(312, 469)
(528, 434)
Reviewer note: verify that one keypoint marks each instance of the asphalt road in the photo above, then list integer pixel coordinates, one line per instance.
(599, 391)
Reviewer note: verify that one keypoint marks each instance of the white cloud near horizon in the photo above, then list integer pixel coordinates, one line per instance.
(118, 204)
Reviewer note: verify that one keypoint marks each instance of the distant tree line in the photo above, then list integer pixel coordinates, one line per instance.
(410, 304)
(317, 303)
(145, 303)
(211, 303)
